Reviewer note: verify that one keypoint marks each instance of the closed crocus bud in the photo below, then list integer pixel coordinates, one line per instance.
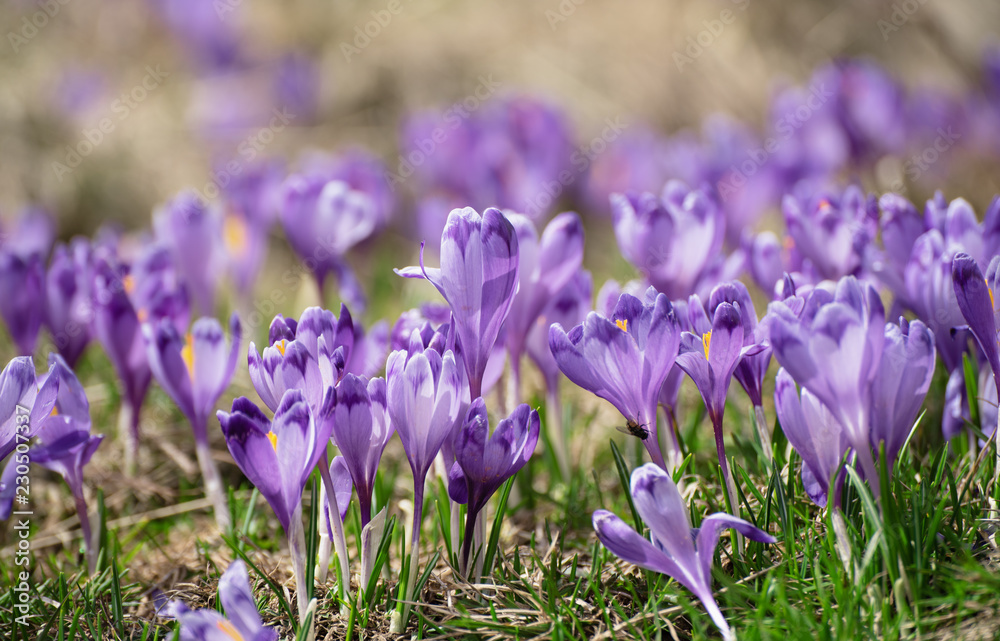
(192, 231)
(478, 278)
(22, 298)
(485, 461)
(977, 295)
(69, 306)
(676, 549)
(672, 240)
(546, 265)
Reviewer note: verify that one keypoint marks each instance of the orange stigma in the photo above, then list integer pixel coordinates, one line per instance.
(622, 324)
(271, 436)
(128, 284)
(230, 630)
(706, 339)
(990, 290)
(187, 354)
(234, 234)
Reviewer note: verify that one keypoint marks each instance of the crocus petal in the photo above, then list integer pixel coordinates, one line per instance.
(974, 299)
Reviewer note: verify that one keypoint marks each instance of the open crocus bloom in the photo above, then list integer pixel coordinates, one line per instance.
(677, 550)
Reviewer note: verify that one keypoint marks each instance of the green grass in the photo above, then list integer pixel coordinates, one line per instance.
(920, 561)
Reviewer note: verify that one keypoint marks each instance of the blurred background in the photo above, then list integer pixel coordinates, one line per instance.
(189, 85)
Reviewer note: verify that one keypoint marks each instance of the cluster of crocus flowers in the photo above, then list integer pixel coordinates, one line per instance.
(674, 548)
(195, 369)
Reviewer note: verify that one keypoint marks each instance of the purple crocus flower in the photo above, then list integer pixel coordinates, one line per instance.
(677, 550)
(546, 265)
(900, 385)
(833, 349)
(195, 370)
(624, 359)
(976, 297)
(424, 389)
(69, 307)
(478, 278)
(832, 232)
(252, 199)
(485, 461)
(192, 231)
(674, 240)
(427, 315)
(65, 445)
(324, 217)
(278, 457)
(361, 429)
(22, 277)
(242, 620)
(710, 355)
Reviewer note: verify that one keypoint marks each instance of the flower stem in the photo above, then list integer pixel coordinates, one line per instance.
(339, 541)
(213, 484)
(297, 547)
(763, 432)
(128, 430)
(402, 614)
(557, 431)
(89, 544)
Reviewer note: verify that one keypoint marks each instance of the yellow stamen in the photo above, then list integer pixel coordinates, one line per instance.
(128, 283)
(990, 290)
(788, 242)
(622, 324)
(55, 412)
(230, 630)
(187, 354)
(271, 436)
(706, 338)
(234, 234)
(280, 345)
(824, 204)
(142, 315)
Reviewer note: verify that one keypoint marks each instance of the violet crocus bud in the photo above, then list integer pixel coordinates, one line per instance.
(69, 306)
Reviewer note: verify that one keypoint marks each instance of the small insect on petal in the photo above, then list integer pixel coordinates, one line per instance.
(706, 340)
(622, 324)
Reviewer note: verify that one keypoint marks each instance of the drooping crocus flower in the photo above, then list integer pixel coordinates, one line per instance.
(976, 297)
(568, 307)
(478, 278)
(677, 550)
(242, 620)
(814, 432)
(124, 300)
(833, 349)
(672, 240)
(709, 355)
(65, 445)
(831, 231)
(195, 370)
(278, 457)
(546, 265)
(624, 359)
(751, 369)
(69, 309)
(424, 390)
(192, 231)
(485, 461)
